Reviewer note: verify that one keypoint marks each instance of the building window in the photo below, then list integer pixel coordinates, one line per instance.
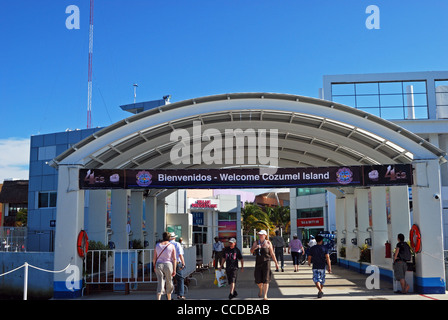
(13, 208)
(395, 100)
(310, 213)
(47, 153)
(442, 98)
(47, 199)
(309, 191)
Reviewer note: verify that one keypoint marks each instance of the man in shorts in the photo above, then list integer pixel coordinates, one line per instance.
(231, 256)
(318, 256)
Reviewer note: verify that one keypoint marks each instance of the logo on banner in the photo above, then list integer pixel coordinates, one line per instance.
(344, 176)
(144, 178)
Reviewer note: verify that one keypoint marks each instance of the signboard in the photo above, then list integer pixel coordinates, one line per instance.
(310, 222)
(203, 204)
(399, 174)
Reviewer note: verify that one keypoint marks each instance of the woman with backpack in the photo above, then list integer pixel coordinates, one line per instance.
(401, 257)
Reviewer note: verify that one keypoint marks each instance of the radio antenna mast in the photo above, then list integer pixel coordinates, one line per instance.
(89, 86)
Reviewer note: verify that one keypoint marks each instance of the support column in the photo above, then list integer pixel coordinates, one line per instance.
(97, 230)
(379, 226)
(137, 216)
(69, 222)
(426, 197)
(400, 220)
(161, 217)
(340, 225)
(119, 219)
(352, 248)
(151, 218)
(362, 208)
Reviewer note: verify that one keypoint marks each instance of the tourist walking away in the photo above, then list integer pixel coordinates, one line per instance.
(279, 247)
(318, 256)
(218, 248)
(164, 260)
(180, 266)
(297, 251)
(264, 252)
(401, 257)
(230, 257)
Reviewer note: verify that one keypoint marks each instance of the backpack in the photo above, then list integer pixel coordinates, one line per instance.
(405, 252)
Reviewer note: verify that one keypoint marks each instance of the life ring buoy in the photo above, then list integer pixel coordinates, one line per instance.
(83, 243)
(415, 238)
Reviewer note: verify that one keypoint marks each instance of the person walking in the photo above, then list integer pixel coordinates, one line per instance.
(318, 256)
(179, 267)
(264, 252)
(312, 241)
(279, 247)
(164, 260)
(218, 248)
(401, 257)
(230, 257)
(296, 249)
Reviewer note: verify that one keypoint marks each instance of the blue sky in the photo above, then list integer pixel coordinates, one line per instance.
(190, 49)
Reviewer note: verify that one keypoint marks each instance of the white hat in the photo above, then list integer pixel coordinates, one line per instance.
(172, 235)
(232, 240)
(263, 232)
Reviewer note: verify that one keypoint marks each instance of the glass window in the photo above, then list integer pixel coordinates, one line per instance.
(419, 99)
(391, 88)
(418, 86)
(421, 112)
(367, 88)
(309, 191)
(346, 100)
(47, 153)
(391, 100)
(310, 213)
(47, 199)
(392, 113)
(370, 101)
(343, 89)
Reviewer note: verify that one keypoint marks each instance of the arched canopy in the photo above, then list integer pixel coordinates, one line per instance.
(311, 132)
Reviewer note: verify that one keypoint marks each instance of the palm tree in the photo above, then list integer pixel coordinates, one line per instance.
(279, 216)
(254, 218)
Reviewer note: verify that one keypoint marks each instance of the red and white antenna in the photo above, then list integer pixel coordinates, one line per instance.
(89, 91)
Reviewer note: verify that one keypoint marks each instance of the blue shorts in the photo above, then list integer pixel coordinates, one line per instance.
(319, 275)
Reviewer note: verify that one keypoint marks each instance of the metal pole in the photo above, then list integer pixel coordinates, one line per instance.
(25, 282)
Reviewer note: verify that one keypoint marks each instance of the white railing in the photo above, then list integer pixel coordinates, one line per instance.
(128, 265)
(119, 266)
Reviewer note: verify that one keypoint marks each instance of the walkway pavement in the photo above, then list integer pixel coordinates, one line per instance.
(341, 284)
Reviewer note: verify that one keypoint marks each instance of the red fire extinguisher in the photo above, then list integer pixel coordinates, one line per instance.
(388, 250)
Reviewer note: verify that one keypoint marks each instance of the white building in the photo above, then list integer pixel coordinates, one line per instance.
(416, 101)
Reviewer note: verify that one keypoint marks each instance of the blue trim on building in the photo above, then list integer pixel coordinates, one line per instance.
(421, 285)
(429, 285)
(60, 290)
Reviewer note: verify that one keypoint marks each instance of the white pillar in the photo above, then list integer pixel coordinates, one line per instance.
(161, 217)
(379, 226)
(97, 229)
(119, 219)
(137, 216)
(362, 209)
(151, 220)
(400, 221)
(352, 249)
(340, 224)
(430, 267)
(69, 222)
